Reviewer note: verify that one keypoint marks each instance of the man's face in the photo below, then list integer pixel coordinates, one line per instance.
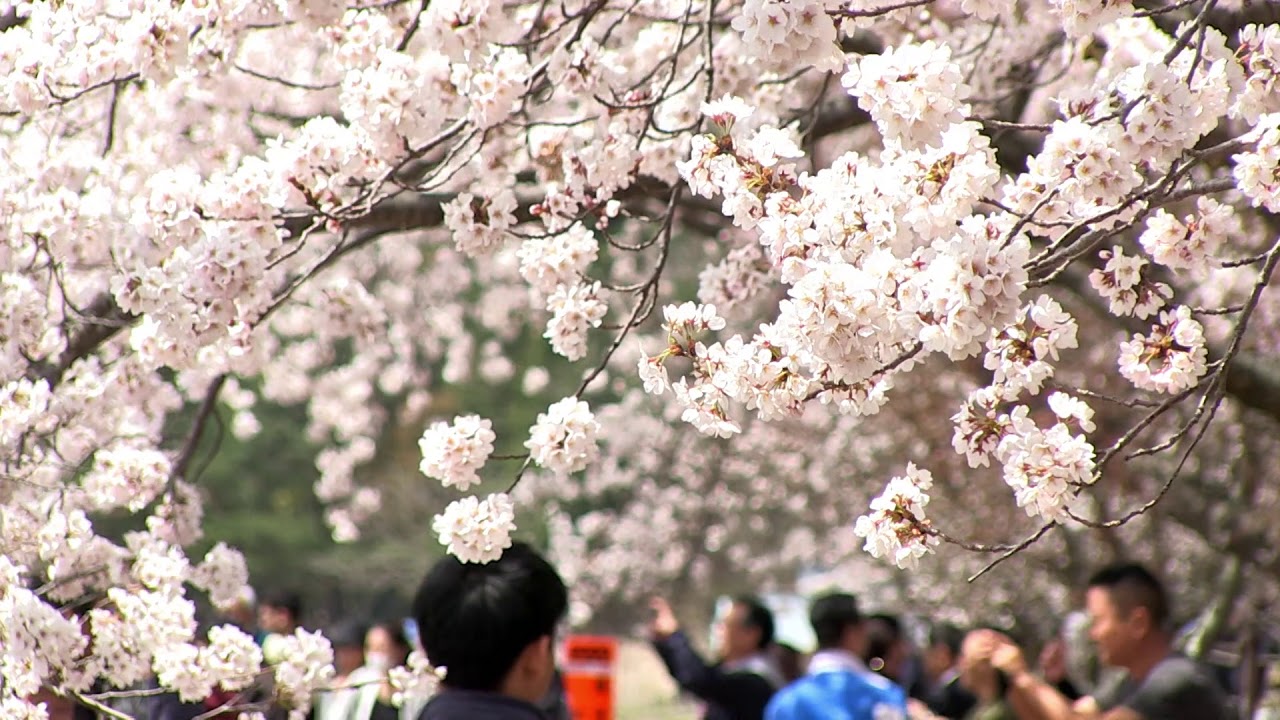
(737, 638)
(274, 619)
(1113, 631)
(937, 660)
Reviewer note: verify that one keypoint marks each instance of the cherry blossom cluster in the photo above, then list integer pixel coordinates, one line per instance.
(344, 206)
(453, 453)
(476, 530)
(897, 526)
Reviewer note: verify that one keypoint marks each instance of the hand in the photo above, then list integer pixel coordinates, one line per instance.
(1008, 659)
(1053, 661)
(664, 623)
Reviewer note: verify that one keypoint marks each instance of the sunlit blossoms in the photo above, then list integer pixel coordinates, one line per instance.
(897, 527)
(454, 453)
(757, 248)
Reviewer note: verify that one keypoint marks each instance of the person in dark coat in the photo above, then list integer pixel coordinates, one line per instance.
(492, 627)
(741, 684)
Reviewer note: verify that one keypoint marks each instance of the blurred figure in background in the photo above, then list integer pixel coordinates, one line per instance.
(837, 684)
(789, 661)
(940, 685)
(987, 684)
(385, 647)
(348, 657)
(887, 651)
(738, 686)
(1130, 625)
(280, 613)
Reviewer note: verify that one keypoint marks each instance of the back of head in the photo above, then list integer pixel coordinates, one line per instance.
(346, 634)
(947, 636)
(884, 632)
(831, 616)
(1132, 586)
(476, 620)
(757, 616)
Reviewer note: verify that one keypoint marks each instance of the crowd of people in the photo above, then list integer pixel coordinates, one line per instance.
(865, 669)
(494, 627)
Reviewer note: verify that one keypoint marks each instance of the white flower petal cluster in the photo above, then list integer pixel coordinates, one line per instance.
(897, 526)
(1022, 356)
(475, 530)
(223, 574)
(480, 224)
(1190, 243)
(564, 438)
(417, 679)
(913, 91)
(575, 309)
(306, 666)
(789, 33)
(454, 453)
(1045, 468)
(1122, 282)
(1257, 172)
(1259, 54)
(1169, 359)
(553, 260)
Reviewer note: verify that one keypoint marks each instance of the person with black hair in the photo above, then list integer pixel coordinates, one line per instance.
(347, 639)
(1130, 625)
(280, 613)
(837, 683)
(492, 627)
(740, 685)
(941, 690)
(386, 646)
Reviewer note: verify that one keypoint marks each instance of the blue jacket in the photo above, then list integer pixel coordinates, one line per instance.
(838, 687)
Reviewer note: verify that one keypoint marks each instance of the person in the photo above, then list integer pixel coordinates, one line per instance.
(347, 639)
(837, 684)
(492, 626)
(987, 684)
(1054, 669)
(279, 613)
(1129, 623)
(385, 647)
(738, 686)
(941, 689)
(788, 660)
(886, 651)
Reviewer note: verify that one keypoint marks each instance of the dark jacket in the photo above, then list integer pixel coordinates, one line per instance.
(472, 705)
(736, 695)
(950, 700)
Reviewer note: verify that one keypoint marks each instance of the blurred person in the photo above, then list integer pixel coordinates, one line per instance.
(243, 613)
(348, 640)
(788, 661)
(739, 685)
(987, 684)
(279, 613)
(1130, 626)
(1053, 667)
(941, 689)
(887, 651)
(493, 627)
(385, 647)
(837, 684)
